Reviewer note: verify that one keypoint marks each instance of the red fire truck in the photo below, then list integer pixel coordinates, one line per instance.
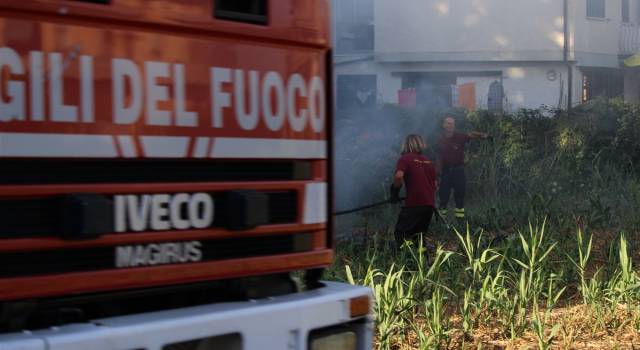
(165, 165)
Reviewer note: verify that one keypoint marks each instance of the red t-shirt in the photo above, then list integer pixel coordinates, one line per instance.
(420, 179)
(451, 149)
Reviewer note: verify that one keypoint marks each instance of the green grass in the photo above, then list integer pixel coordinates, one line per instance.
(515, 286)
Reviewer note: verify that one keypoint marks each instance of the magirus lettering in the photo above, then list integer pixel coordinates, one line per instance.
(158, 254)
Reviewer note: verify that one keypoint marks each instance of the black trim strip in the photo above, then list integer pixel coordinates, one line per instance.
(34, 263)
(43, 217)
(96, 171)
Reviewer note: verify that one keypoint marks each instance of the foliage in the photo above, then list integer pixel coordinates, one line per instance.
(514, 286)
(540, 196)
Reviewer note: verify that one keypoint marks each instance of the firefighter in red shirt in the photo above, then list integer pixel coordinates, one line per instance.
(451, 165)
(419, 175)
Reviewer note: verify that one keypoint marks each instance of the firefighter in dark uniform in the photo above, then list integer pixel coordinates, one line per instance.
(419, 175)
(450, 148)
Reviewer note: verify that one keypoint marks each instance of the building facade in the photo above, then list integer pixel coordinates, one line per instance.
(491, 54)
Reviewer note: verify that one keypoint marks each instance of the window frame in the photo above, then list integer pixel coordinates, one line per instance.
(242, 17)
(601, 5)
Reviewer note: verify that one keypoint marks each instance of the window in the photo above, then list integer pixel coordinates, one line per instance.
(625, 11)
(353, 26)
(607, 82)
(356, 91)
(595, 8)
(496, 97)
(250, 11)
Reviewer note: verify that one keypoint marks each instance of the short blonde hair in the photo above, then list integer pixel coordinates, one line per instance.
(413, 144)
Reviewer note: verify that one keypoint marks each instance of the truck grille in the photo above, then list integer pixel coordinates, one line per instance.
(35, 263)
(41, 217)
(94, 171)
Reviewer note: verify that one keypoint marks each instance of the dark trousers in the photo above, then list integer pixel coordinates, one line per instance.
(452, 178)
(411, 221)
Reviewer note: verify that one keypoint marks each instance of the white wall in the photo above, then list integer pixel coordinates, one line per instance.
(596, 41)
(362, 66)
(441, 30)
(525, 85)
(492, 35)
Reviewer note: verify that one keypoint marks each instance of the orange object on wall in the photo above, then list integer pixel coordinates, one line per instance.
(467, 96)
(407, 97)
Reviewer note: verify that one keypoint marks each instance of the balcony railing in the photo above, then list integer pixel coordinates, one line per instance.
(629, 39)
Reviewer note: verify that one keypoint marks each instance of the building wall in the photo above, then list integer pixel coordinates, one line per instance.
(356, 73)
(632, 85)
(531, 86)
(482, 84)
(352, 26)
(445, 30)
(521, 39)
(526, 85)
(596, 41)
(387, 85)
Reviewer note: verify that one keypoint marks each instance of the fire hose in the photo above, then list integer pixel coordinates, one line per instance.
(364, 207)
(388, 201)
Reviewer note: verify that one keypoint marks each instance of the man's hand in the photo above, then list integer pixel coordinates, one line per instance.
(486, 136)
(394, 194)
(480, 135)
(477, 135)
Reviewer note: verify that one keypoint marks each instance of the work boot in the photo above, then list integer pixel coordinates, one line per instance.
(459, 213)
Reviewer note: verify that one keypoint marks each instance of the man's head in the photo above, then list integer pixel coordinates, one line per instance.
(449, 125)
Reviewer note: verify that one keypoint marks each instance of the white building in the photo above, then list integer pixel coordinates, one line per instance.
(501, 54)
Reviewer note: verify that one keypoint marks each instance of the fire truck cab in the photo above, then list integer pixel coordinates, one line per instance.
(166, 167)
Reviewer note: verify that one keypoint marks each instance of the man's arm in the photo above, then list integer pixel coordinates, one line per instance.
(395, 187)
(477, 135)
(398, 179)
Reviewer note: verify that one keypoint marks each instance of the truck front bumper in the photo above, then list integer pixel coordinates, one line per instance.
(282, 322)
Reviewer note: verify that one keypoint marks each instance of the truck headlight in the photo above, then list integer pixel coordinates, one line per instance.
(338, 341)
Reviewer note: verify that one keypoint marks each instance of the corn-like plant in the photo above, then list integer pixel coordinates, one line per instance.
(437, 323)
(477, 260)
(488, 301)
(514, 285)
(426, 340)
(536, 251)
(628, 285)
(584, 252)
(539, 324)
(393, 300)
(419, 261)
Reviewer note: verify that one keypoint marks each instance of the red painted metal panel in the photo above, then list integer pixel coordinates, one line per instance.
(76, 72)
(87, 282)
